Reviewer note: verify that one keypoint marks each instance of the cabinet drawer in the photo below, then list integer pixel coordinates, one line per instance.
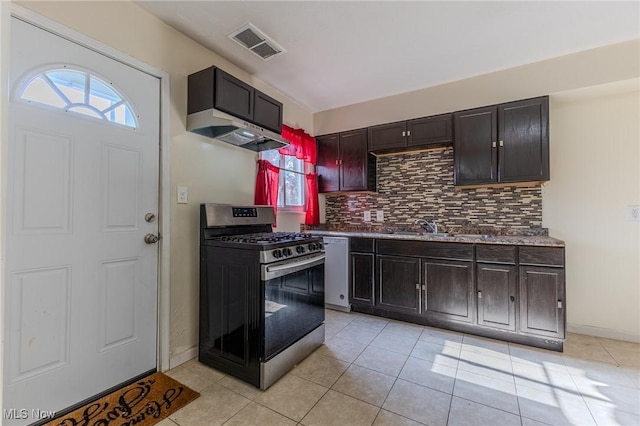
(552, 256)
(496, 253)
(362, 245)
(426, 249)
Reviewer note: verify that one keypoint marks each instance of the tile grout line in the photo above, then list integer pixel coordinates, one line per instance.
(396, 380)
(330, 387)
(455, 379)
(515, 385)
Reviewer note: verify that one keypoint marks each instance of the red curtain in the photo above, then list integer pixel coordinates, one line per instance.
(267, 185)
(312, 216)
(303, 146)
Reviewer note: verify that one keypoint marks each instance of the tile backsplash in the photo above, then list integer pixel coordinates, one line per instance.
(420, 185)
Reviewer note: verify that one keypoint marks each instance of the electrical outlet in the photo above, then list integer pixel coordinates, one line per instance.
(367, 215)
(379, 216)
(633, 213)
(183, 195)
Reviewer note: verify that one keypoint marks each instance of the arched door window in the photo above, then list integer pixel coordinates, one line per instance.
(81, 92)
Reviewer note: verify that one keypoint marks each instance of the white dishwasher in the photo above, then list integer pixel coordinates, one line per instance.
(336, 273)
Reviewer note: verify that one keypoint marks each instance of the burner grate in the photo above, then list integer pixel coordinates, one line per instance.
(265, 238)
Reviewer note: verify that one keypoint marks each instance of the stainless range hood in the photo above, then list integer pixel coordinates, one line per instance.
(219, 125)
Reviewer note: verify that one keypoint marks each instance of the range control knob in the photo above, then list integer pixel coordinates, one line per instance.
(277, 253)
(312, 246)
(300, 249)
(320, 246)
(286, 252)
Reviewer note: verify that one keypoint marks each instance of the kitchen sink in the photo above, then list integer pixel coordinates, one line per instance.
(437, 234)
(441, 234)
(473, 235)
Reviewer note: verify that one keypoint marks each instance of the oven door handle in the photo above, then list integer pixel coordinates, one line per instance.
(280, 270)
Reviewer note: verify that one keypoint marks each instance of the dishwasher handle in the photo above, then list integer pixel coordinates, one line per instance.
(335, 240)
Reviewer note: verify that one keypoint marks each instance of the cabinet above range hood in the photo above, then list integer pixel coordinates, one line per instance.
(222, 107)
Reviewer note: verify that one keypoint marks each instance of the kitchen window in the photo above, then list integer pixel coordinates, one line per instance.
(291, 191)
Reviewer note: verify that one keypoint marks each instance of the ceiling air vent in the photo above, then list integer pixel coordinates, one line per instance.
(250, 37)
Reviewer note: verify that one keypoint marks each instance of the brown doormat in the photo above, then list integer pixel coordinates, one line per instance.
(143, 403)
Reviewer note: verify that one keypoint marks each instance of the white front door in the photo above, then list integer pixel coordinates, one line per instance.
(81, 282)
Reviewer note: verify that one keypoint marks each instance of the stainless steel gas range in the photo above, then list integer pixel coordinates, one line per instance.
(261, 293)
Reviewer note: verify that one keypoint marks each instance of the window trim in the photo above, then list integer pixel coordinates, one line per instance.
(291, 209)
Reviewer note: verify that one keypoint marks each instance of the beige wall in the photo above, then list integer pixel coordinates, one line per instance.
(212, 171)
(589, 68)
(595, 166)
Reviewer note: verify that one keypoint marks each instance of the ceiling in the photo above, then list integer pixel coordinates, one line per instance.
(340, 53)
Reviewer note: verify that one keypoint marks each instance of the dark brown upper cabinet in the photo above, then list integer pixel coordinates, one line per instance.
(267, 112)
(504, 143)
(413, 134)
(214, 88)
(343, 163)
(475, 157)
(328, 163)
(232, 95)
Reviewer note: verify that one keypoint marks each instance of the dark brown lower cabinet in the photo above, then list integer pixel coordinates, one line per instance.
(497, 295)
(448, 290)
(508, 292)
(542, 301)
(398, 283)
(362, 278)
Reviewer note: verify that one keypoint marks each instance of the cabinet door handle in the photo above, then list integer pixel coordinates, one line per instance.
(404, 133)
(493, 144)
(408, 132)
(417, 286)
(559, 304)
(513, 299)
(501, 143)
(337, 162)
(479, 294)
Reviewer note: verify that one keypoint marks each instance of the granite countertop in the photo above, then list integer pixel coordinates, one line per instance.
(526, 240)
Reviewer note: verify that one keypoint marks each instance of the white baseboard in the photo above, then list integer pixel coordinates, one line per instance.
(182, 357)
(603, 332)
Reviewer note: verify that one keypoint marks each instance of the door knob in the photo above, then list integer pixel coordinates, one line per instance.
(151, 239)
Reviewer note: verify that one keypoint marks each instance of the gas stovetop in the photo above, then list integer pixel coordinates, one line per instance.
(265, 238)
(273, 246)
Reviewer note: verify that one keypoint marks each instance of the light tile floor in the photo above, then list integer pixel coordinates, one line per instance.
(373, 371)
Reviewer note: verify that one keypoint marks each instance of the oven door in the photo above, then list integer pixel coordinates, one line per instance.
(294, 301)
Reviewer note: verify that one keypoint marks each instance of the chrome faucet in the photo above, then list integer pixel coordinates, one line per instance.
(431, 227)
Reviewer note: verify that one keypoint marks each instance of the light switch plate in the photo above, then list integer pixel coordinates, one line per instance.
(633, 213)
(367, 215)
(379, 216)
(183, 195)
